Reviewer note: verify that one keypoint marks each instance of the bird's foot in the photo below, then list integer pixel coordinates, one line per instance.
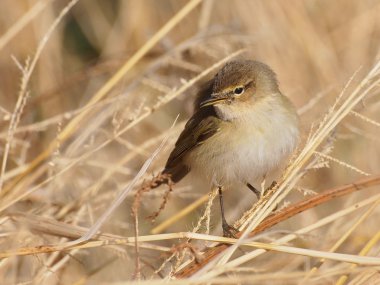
(274, 184)
(229, 231)
(258, 193)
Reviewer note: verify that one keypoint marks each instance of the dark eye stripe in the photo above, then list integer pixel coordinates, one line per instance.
(249, 84)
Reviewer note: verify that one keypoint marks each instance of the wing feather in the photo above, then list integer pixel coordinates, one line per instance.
(201, 126)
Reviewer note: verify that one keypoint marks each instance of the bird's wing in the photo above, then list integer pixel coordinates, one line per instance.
(202, 125)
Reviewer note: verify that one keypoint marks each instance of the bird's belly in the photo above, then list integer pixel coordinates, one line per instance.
(237, 155)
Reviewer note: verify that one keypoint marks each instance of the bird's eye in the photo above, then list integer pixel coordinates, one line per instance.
(239, 90)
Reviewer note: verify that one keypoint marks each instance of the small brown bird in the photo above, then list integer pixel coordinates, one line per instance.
(242, 128)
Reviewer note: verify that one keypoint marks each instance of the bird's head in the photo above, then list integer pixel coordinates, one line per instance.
(240, 85)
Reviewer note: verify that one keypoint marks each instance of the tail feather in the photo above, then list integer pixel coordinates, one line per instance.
(176, 173)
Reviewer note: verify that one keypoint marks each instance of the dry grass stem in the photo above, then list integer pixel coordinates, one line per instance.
(72, 125)
(22, 22)
(287, 213)
(89, 92)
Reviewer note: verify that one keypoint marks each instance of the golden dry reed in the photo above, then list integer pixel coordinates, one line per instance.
(93, 95)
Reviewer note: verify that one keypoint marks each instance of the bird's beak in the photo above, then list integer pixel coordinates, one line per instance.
(214, 101)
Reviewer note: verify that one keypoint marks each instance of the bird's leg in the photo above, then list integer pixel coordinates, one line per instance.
(257, 192)
(228, 231)
(274, 183)
(254, 190)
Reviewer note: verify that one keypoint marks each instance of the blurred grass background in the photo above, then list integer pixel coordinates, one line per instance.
(315, 47)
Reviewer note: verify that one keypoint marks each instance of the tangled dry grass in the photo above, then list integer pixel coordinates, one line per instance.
(89, 100)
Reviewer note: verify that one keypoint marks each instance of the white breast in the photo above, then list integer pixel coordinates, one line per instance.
(249, 147)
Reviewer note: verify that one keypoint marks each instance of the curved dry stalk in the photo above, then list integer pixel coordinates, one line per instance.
(355, 259)
(283, 215)
(342, 239)
(33, 12)
(363, 252)
(23, 93)
(193, 267)
(106, 88)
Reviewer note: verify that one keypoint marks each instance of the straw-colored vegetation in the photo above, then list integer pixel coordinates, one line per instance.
(93, 95)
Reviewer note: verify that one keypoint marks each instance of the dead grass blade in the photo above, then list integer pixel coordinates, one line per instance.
(106, 88)
(283, 215)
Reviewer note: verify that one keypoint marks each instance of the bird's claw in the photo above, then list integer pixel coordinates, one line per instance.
(229, 231)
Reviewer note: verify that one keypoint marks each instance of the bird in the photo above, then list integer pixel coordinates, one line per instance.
(242, 128)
